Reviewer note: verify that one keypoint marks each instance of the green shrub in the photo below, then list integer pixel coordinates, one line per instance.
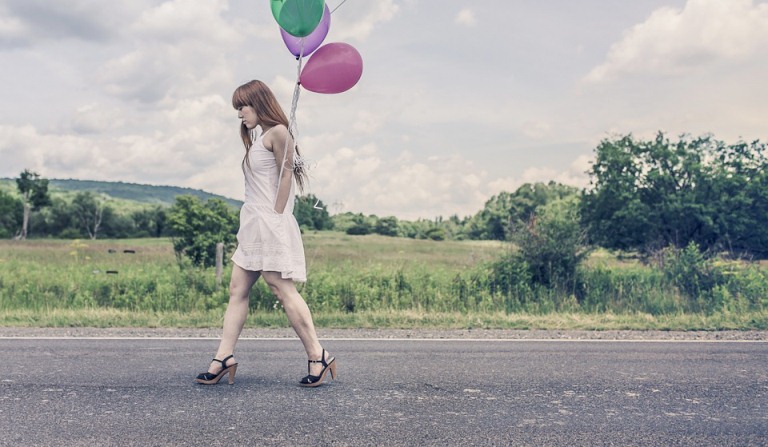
(197, 227)
(553, 245)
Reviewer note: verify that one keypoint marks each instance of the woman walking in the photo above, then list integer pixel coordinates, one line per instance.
(269, 239)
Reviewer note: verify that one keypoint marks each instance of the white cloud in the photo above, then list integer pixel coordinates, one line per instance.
(410, 186)
(12, 29)
(401, 186)
(95, 118)
(375, 12)
(193, 144)
(678, 41)
(283, 88)
(368, 122)
(185, 21)
(536, 129)
(15, 152)
(180, 50)
(574, 175)
(140, 75)
(29, 22)
(466, 17)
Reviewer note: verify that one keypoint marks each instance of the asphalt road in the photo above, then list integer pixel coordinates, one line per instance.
(97, 392)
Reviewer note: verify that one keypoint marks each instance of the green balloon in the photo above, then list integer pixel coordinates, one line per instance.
(298, 17)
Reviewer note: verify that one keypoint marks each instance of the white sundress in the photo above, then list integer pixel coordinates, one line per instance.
(266, 240)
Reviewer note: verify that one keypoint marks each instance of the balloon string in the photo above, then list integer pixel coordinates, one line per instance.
(293, 128)
(338, 6)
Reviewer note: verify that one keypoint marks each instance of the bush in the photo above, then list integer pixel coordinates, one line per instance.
(436, 234)
(689, 270)
(713, 284)
(359, 230)
(197, 228)
(553, 245)
(386, 226)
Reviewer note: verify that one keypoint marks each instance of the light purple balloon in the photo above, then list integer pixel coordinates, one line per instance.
(312, 41)
(334, 68)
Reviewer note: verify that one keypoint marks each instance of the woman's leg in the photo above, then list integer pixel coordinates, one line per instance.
(237, 311)
(298, 314)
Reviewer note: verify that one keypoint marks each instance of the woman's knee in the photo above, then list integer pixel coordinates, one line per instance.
(238, 291)
(279, 286)
(277, 291)
(241, 282)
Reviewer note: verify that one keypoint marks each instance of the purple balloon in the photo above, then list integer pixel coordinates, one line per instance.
(312, 41)
(334, 68)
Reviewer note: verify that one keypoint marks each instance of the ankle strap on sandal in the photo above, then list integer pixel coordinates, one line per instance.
(223, 362)
(322, 360)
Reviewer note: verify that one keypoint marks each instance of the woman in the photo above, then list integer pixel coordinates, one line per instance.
(269, 240)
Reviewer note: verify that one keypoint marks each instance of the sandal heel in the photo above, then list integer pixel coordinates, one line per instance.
(233, 370)
(332, 368)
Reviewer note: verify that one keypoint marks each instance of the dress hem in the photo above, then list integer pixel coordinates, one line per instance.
(283, 273)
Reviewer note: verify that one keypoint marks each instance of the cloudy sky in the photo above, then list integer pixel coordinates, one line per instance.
(458, 100)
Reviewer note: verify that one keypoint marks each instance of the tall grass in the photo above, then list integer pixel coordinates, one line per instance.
(134, 275)
(369, 281)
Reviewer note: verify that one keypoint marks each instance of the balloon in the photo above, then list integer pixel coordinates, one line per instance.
(298, 17)
(312, 41)
(334, 68)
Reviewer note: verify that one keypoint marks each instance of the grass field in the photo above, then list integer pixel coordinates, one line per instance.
(354, 281)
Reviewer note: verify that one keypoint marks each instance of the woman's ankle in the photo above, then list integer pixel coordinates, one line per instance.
(228, 359)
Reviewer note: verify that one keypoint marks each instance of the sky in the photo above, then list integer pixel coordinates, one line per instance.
(457, 102)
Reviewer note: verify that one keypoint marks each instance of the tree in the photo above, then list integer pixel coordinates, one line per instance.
(386, 226)
(740, 182)
(150, 222)
(116, 225)
(197, 227)
(506, 211)
(312, 213)
(647, 195)
(11, 214)
(415, 229)
(61, 220)
(89, 211)
(34, 195)
(361, 226)
(492, 222)
(529, 197)
(456, 227)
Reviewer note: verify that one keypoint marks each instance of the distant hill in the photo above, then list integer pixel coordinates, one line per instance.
(150, 194)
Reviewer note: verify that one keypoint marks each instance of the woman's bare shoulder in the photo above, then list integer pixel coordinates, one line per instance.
(276, 134)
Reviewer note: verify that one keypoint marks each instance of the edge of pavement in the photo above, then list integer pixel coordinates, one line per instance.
(400, 334)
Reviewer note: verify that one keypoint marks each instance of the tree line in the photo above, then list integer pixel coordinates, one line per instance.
(36, 213)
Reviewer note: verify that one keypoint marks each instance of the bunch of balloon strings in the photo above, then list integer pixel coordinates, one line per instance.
(293, 128)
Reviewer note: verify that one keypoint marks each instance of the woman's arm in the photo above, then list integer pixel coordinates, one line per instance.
(277, 141)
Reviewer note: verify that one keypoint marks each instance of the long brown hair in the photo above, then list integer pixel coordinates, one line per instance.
(256, 94)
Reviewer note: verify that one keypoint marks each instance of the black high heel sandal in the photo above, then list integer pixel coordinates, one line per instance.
(313, 381)
(208, 378)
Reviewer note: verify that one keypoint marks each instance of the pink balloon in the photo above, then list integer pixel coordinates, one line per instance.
(312, 41)
(334, 68)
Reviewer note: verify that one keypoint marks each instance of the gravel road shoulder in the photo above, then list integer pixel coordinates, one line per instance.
(467, 334)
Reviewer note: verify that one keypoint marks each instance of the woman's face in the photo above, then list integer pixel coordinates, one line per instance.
(247, 115)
